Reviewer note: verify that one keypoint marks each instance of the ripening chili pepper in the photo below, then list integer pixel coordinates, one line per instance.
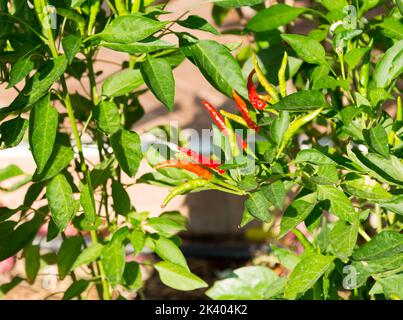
(202, 159)
(294, 126)
(254, 98)
(218, 119)
(364, 74)
(244, 111)
(189, 166)
(265, 83)
(281, 75)
(183, 188)
(220, 122)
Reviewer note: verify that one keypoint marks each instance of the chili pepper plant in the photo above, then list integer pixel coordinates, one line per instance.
(325, 107)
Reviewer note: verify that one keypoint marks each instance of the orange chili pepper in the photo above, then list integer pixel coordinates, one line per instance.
(244, 111)
(200, 159)
(189, 166)
(253, 95)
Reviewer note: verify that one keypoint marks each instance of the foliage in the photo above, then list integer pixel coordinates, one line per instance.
(334, 146)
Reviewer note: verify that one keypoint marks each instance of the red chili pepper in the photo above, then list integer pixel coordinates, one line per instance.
(202, 159)
(219, 120)
(244, 111)
(189, 166)
(253, 95)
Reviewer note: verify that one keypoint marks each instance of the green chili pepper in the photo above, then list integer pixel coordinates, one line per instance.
(264, 82)
(399, 109)
(281, 75)
(233, 117)
(232, 138)
(94, 9)
(186, 187)
(121, 7)
(293, 128)
(136, 5)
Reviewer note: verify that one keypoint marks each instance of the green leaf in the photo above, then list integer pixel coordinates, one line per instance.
(377, 139)
(32, 265)
(297, 212)
(286, 257)
(247, 283)
(343, 238)
(12, 132)
(75, 289)
(60, 158)
(307, 48)
(386, 170)
(392, 28)
(158, 76)
(394, 204)
(375, 268)
(365, 188)
(87, 202)
(113, 259)
(20, 69)
(273, 17)
(275, 193)
(392, 286)
(198, 23)
(354, 56)
(302, 101)
(216, 64)
(306, 273)
(331, 5)
(130, 28)
(258, 206)
(177, 277)
(384, 244)
(313, 156)
(37, 86)
(71, 46)
(88, 255)
(122, 82)
(107, 117)
(137, 239)
(43, 123)
(20, 237)
(121, 199)
(236, 3)
(10, 171)
(144, 46)
(390, 66)
(60, 198)
(67, 255)
(340, 205)
(279, 126)
(165, 225)
(132, 276)
(168, 251)
(127, 148)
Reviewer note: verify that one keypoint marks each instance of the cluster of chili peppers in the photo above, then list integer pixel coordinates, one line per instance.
(209, 172)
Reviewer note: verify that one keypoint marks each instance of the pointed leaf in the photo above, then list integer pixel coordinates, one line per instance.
(43, 123)
(158, 76)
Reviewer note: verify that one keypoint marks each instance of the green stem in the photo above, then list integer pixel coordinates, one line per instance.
(363, 234)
